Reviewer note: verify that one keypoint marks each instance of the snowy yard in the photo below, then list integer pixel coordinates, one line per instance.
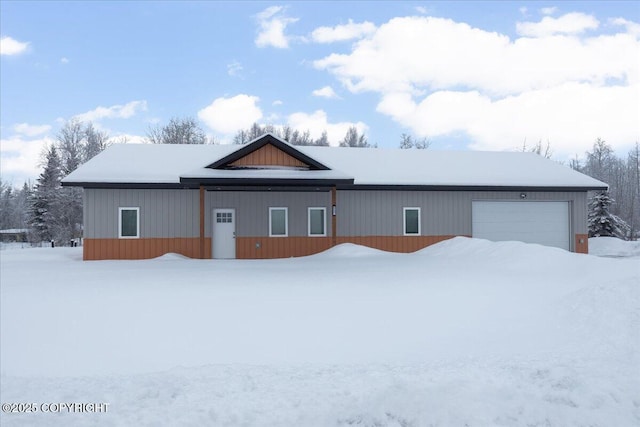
(463, 333)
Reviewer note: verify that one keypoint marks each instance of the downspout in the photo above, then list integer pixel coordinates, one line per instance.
(201, 222)
(334, 212)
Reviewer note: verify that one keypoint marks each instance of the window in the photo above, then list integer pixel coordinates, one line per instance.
(317, 222)
(224, 217)
(411, 221)
(128, 223)
(278, 222)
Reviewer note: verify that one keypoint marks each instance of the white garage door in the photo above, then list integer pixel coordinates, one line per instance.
(546, 223)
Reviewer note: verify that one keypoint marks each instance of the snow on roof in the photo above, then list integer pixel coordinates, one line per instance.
(147, 163)
(157, 164)
(380, 166)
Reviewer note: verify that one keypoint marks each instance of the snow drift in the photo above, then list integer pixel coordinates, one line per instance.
(465, 332)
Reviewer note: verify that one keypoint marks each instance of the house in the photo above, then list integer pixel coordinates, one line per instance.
(268, 199)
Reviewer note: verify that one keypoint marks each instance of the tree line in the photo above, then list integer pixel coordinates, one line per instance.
(52, 212)
(615, 212)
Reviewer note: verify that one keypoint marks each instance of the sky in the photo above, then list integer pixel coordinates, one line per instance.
(465, 75)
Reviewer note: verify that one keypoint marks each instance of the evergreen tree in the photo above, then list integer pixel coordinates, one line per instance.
(44, 206)
(354, 139)
(14, 205)
(323, 141)
(601, 222)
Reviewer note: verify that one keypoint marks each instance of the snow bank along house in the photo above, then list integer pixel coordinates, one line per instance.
(268, 199)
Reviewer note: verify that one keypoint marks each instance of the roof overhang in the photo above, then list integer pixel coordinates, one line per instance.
(376, 187)
(260, 182)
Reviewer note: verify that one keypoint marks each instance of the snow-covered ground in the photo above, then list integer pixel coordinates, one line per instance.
(463, 333)
(613, 247)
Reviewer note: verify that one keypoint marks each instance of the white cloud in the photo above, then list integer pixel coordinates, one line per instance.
(421, 9)
(455, 54)
(540, 115)
(228, 115)
(9, 46)
(523, 11)
(272, 23)
(325, 92)
(64, 60)
(234, 69)
(461, 79)
(317, 122)
(20, 158)
(548, 10)
(114, 112)
(344, 32)
(276, 103)
(31, 130)
(571, 23)
(631, 27)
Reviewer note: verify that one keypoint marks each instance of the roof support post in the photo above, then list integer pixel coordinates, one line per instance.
(334, 213)
(201, 222)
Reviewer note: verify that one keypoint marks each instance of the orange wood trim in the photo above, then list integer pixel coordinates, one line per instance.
(334, 218)
(285, 247)
(394, 243)
(280, 247)
(582, 244)
(268, 156)
(95, 249)
(201, 221)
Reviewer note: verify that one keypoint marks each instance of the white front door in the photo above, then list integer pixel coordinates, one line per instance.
(224, 233)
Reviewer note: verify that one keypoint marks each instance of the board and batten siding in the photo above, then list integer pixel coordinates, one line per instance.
(163, 213)
(252, 210)
(442, 213)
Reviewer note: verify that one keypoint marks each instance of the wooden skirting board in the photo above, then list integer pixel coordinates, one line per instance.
(95, 249)
(261, 247)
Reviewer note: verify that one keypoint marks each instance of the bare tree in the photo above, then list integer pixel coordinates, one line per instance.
(177, 131)
(286, 133)
(540, 149)
(95, 142)
(71, 145)
(408, 141)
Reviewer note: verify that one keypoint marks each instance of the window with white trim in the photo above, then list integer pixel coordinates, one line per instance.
(278, 222)
(128, 223)
(411, 221)
(317, 221)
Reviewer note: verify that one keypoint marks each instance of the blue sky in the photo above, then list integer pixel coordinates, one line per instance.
(465, 75)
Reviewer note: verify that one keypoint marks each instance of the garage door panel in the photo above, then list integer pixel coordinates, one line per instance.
(545, 223)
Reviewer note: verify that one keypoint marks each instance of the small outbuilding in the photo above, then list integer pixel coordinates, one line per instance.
(11, 235)
(269, 199)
